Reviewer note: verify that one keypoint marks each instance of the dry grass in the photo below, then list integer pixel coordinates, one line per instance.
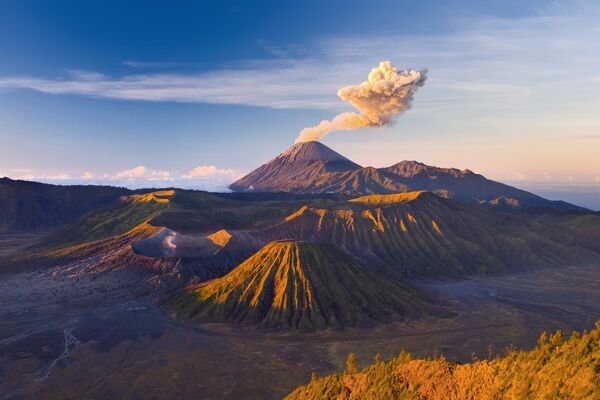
(557, 368)
(385, 199)
(300, 285)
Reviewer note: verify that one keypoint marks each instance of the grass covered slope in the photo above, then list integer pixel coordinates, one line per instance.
(302, 285)
(555, 369)
(387, 199)
(109, 221)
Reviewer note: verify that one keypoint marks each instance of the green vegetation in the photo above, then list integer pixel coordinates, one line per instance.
(578, 220)
(557, 368)
(415, 234)
(107, 222)
(301, 285)
(421, 234)
(201, 212)
(183, 211)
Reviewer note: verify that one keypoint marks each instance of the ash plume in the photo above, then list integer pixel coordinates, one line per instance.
(386, 92)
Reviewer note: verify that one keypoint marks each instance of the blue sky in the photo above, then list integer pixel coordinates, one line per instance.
(147, 92)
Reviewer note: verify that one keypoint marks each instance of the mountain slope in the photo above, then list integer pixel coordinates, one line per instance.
(421, 234)
(301, 285)
(555, 369)
(108, 221)
(311, 167)
(30, 206)
(414, 234)
(466, 186)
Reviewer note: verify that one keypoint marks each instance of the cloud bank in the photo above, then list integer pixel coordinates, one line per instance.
(202, 177)
(141, 172)
(386, 92)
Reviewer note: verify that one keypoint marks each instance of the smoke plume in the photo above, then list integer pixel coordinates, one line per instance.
(385, 93)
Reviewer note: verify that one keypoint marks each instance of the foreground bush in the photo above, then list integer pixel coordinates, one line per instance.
(557, 368)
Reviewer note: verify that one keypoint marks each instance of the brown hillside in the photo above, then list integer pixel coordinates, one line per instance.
(555, 369)
(302, 285)
(421, 234)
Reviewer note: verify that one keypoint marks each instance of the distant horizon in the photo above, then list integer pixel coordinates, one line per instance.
(579, 193)
(511, 89)
(587, 196)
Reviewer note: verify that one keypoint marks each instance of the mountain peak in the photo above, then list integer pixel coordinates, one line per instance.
(282, 286)
(310, 151)
(408, 169)
(305, 163)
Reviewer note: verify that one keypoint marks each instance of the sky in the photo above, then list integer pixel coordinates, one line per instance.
(195, 94)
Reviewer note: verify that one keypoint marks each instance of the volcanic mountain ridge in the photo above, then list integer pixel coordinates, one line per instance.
(415, 234)
(312, 167)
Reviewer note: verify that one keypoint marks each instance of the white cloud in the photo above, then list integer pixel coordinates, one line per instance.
(141, 172)
(488, 62)
(210, 170)
(28, 174)
(210, 177)
(203, 177)
(275, 86)
(152, 64)
(597, 179)
(59, 177)
(135, 172)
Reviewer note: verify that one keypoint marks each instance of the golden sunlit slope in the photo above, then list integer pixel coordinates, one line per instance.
(421, 234)
(301, 285)
(110, 221)
(386, 199)
(555, 369)
(110, 255)
(161, 196)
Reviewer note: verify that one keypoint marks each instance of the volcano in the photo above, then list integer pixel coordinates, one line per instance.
(301, 285)
(312, 167)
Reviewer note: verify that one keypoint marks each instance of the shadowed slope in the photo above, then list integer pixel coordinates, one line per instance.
(466, 186)
(555, 369)
(301, 285)
(109, 221)
(421, 234)
(30, 206)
